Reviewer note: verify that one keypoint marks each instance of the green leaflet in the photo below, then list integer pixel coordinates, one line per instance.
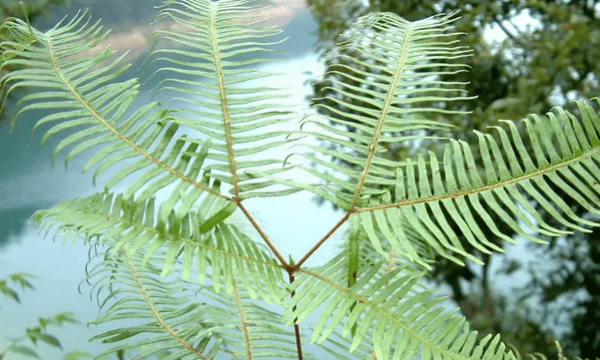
(353, 250)
(218, 217)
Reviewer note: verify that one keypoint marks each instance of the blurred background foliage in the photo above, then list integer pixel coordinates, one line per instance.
(546, 55)
(26, 344)
(32, 8)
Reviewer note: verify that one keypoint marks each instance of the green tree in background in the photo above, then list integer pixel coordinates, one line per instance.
(26, 10)
(32, 8)
(549, 55)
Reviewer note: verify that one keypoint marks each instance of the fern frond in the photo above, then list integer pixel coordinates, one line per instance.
(162, 315)
(251, 329)
(563, 168)
(387, 72)
(402, 320)
(166, 316)
(211, 70)
(94, 110)
(428, 195)
(224, 249)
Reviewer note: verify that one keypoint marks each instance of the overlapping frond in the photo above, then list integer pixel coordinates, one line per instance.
(446, 202)
(210, 65)
(554, 164)
(252, 330)
(400, 317)
(392, 67)
(222, 250)
(162, 316)
(176, 319)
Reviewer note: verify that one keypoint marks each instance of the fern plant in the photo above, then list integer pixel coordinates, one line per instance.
(210, 149)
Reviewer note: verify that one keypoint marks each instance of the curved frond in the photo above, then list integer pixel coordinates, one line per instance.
(162, 317)
(65, 74)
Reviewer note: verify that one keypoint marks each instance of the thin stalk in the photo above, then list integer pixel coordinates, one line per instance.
(263, 235)
(296, 327)
(294, 268)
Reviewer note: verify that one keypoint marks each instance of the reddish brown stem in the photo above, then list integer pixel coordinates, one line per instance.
(317, 245)
(296, 327)
(264, 236)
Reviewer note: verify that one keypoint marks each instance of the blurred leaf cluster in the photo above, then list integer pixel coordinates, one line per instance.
(27, 343)
(27, 9)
